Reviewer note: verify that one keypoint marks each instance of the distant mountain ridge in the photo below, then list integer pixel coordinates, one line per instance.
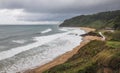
(98, 20)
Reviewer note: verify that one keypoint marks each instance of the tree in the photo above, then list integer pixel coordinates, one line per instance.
(117, 23)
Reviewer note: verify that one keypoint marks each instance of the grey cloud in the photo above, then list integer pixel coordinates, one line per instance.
(59, 9)
(59, 6)
(46, 16)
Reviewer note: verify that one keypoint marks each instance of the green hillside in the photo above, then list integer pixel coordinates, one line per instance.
(94, 57)
(99, 20)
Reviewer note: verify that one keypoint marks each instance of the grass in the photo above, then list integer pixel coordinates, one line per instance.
(114, 44)
(91, 58)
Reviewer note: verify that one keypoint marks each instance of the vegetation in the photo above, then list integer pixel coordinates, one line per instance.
(92, 33)
(113, 36)
(109, 19)
(108, 34)
(116, 36)
(114, 44)
(96, 56)
(91, 58)
(117, 23)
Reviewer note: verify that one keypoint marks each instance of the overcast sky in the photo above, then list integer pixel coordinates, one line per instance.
(50, 11)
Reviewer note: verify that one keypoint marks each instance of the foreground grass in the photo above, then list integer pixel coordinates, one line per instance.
(91, 58)
(114, 44)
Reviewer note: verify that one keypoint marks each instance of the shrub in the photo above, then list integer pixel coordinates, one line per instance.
(116, 36)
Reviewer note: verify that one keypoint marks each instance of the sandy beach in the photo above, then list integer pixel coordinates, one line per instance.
(63, 58)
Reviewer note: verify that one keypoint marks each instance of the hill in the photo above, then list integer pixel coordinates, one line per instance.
(98, 20)
(95, 57)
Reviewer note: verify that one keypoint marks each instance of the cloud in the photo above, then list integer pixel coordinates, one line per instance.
(56, 10)
(8, 16)
(57, 6)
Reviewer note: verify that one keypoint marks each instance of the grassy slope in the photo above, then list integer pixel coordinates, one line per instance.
(96, 56)
(91, 58)
(114, 44)
(99, 20)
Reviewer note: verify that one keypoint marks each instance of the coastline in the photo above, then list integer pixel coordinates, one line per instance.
(63, 58)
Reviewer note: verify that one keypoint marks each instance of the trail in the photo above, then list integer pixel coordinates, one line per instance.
(103, 37)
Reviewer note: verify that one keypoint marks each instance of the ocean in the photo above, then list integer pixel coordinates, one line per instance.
(25, 47)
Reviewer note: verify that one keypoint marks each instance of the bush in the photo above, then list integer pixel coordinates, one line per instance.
(92, 34)
(116, 36)
(92, 68)
(108, 34)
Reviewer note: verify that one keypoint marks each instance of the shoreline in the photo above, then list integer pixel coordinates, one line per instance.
(64, 57)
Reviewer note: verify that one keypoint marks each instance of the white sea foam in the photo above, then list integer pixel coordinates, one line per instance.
(68, 29)
(47, 30)
(58, 44)
(40, 41)
(63, 29)
(19, 41)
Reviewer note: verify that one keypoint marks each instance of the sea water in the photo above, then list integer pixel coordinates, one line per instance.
(25, 47)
